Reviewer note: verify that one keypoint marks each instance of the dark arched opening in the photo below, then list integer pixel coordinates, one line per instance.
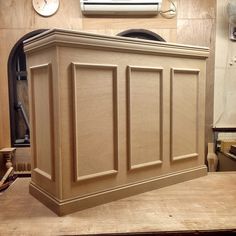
(141, 34)
(18, 93)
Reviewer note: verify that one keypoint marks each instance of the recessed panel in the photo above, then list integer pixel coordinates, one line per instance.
(42, 119)
(144, 108)
(95, 120)
(184, 113)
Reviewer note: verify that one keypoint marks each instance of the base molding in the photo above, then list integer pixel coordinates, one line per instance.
(63, 207)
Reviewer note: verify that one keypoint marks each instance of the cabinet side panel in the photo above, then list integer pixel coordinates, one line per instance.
(42, 120)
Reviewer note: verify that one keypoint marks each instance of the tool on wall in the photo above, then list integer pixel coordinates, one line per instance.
(171, 12)
(231, 9)
(20, 108)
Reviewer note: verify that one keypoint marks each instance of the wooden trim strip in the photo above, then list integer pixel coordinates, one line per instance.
(188, 71)
(77, 39)
(75, 65)
(128, 111)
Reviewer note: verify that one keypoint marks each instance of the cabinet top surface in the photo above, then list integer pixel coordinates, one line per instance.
(73, 38)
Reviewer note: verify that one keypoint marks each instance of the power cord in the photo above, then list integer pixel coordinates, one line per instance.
(171, 13)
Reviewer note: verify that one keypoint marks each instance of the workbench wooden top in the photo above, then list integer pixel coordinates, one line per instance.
(206, 203)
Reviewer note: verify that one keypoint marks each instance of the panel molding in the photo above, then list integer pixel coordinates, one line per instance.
(33, 69)
(128, 110)
(172, 77)
(114, 171)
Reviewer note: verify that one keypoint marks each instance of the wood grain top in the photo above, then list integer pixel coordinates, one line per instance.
(205, 203)
(7, 150)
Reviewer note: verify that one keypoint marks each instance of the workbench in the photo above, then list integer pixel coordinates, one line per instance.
(204, 204)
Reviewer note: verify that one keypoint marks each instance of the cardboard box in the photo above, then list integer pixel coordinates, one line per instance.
(226, 144)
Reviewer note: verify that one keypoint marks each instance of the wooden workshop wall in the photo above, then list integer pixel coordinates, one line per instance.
(196, 25)
(193, 25)
(225, 70)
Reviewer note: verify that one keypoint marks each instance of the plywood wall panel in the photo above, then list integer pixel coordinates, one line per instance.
(16, 14)
(196, 9)
(169, 35)
(196, 25)
(17, 18)
(188, 31)
(8, 39)
(210, 70)
(114, 23)
(68, 16)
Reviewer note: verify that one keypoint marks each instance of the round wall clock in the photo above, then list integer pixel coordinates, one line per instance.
(46, 7)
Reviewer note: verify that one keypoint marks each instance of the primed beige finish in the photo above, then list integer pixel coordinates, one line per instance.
(112, 116)
(42, 119)
(192, 26)
(22, 19)
(144, 132)
(95, 120)
(185, 105)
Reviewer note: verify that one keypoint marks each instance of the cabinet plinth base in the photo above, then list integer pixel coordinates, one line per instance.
(63, 207)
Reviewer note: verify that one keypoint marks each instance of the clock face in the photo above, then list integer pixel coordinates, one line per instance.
(46, 7)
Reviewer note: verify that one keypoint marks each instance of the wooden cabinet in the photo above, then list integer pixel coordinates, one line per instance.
(112, 117)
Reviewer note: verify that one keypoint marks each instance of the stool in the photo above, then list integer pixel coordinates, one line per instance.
(8, 154)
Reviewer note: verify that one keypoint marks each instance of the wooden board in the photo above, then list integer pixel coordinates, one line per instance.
(196, 25)
(207, 203)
